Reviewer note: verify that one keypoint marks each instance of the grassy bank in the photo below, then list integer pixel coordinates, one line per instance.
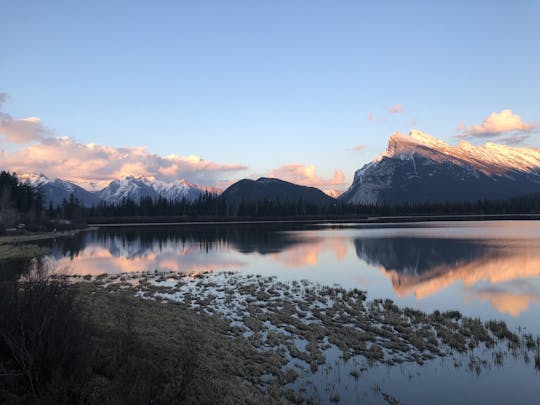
(81, 344)
(222, 338)
(21, 246)
(287, 332)
(21, 251)
(36, 236)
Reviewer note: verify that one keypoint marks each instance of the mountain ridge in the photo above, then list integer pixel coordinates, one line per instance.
(273, 189)
(421, 168)
(56, 190)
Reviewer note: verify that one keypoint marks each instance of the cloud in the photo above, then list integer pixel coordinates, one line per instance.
(371, 117)
(358, 148)
(396, 109)
(94, 165)
(514, 139)
(496, 125)
(306, 175)
(509, 302)
(461, 126)
(20, 130)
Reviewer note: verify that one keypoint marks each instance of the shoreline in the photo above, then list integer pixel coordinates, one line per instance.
(32, 237)
(21, 247)
(147, 221)
(305, 329)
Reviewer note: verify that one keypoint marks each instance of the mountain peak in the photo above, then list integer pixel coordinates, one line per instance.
(420, 167)
(268, 180)
(272, 189)
(401, 144)
(426, 139)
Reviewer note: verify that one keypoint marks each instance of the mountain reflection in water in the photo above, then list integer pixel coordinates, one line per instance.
(494, 263)
(424, 266)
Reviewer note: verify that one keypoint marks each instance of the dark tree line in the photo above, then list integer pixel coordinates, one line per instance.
(212, 206)
(19, 202)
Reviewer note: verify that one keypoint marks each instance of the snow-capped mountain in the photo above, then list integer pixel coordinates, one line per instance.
(130, 187)
(421, 168)
(178, 190)
(56, 190)
(136, 188)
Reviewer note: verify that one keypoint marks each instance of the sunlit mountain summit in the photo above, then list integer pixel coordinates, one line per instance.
(421, 168)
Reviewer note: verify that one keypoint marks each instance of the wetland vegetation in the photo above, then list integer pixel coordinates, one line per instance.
(236, 338)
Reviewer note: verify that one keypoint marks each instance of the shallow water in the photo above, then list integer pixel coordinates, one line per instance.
(484, 269)
(449, 380)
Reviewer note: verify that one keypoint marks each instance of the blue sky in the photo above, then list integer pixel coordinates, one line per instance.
(266, 84)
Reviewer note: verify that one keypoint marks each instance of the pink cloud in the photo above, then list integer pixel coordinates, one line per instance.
(95, 165)
(498, 124)
(358, 148)
(19, 130)
(306, 175)
(396, 109)
(371, 117)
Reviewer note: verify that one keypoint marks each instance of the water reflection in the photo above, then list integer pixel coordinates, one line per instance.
(494, 263)
(307, 252)
(424, 267)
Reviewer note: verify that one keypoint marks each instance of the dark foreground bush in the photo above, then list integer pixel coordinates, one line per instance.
(63, 343)
(43, 340)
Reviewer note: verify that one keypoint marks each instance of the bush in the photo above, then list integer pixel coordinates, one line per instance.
(43, 339)
(63, 344)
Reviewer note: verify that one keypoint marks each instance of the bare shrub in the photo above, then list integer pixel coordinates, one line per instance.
(42, 337)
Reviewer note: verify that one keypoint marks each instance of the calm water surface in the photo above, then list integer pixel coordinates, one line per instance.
(484, 269)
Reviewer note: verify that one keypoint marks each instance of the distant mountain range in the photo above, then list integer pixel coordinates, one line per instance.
(421, 168)
(415, 168)
(271, 189)
(135, 188)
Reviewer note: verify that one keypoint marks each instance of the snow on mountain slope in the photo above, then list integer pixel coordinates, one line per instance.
(56, 190)
(178, 190)
(421, 168)
(490, 158)
(129, 188)
(136, 188)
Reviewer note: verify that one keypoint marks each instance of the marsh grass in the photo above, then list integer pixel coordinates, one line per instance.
(21, 251)
(82, 343)
(233, 338)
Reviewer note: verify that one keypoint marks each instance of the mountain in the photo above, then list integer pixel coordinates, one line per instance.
(56, 190)
(136, 188)
(270, 189)
(421, 168)
(178, 190)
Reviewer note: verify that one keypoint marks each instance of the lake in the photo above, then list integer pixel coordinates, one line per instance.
(485, 269)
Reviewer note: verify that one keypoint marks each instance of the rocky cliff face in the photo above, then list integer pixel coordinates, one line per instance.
(420, 168)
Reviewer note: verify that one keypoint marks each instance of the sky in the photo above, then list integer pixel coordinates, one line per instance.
(216, 91)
